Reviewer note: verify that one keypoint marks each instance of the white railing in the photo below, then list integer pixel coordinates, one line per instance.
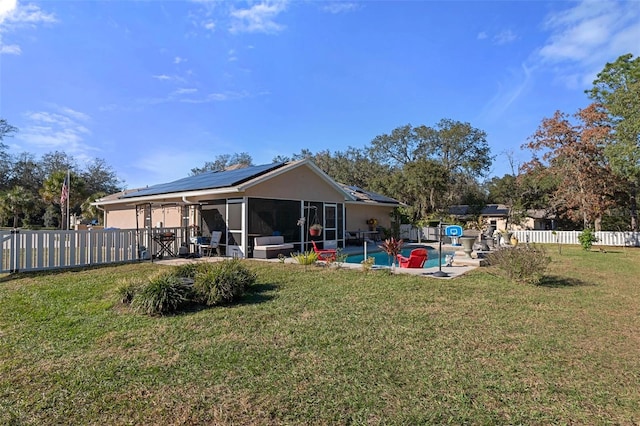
(23, 250)
(605, 238)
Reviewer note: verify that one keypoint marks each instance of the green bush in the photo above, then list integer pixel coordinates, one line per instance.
(587, 238)
(222, 282)
(523, 264)
(164, 293)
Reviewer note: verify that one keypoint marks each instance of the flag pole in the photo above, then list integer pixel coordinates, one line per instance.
(68, 197)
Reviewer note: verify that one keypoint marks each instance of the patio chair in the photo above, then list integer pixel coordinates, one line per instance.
(352, 239)
(214, 244)
(324, 254)
(416, 259)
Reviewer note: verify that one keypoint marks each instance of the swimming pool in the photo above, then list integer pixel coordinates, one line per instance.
(382, 258)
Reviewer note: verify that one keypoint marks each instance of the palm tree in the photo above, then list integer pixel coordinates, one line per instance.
(16, 202)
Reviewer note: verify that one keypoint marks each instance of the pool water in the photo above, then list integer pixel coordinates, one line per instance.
(383, 259)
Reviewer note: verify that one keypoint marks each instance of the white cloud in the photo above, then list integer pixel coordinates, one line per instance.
(62, 129)
(165, 77)
(185, 91)
(179, 60)
(583, 38)
(592, 32)
(9, 49)
(7, 8)
(13, 14)
(340, 7)
(507, 94)
(14, 17)
(505, 37)
(259, 18)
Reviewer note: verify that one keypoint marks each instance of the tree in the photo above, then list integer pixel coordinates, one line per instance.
(420, 185)
(52, 189)
(91, 212)
(458, 146)
(575, 154)
(6, 130)
(27, 172)
(16, 202)
(403, 146)
(224, 162)
(57, 161)
(617, 88)
(100, 177)
(461, 151)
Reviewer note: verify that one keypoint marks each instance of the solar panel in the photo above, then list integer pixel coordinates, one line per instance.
(363, 195)
(207, 180)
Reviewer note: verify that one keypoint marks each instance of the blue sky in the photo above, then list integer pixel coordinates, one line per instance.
(159, 87)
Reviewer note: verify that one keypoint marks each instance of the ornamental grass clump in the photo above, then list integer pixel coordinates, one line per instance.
(128, 288)
(164, 293)
(187, 270)
(305, 258)
(523, 265)
(222, 282)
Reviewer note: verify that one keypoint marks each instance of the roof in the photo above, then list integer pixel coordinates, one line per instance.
(235, 180)
(489, 210)
(367, 196)
(207, 180)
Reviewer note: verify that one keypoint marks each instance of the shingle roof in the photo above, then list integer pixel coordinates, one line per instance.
(488, 210)
(364, 196)
(207, 180)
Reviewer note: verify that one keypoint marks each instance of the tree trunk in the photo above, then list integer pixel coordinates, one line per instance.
(598, 224)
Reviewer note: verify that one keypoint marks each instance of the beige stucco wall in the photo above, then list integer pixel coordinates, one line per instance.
(297, 184)
(125, 217)
(358, 214)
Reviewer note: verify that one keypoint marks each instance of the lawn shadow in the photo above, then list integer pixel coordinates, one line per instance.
(555, 281)
(257, 294)
(254, 295)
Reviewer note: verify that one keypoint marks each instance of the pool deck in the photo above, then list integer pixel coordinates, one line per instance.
(460, 266)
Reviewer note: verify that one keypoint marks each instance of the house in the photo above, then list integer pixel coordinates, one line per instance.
(496, 216)
(271, 199)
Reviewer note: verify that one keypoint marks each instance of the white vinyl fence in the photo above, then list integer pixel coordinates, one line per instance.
(605, 238)
(23, 250)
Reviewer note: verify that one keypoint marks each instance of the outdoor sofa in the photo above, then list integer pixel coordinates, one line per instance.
(270, 247)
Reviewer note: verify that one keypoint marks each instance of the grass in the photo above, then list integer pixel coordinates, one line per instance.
(327, 346)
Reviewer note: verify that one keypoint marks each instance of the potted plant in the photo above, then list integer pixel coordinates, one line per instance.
(315, 229)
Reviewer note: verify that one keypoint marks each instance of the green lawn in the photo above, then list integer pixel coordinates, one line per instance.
(327, 346)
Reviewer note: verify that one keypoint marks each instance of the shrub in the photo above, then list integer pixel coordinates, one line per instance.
(525, 264)
(305, 258)
(367, 263)
(187, 270)
(222, 282)
(164, 293)
(128, 289)
(587, 238)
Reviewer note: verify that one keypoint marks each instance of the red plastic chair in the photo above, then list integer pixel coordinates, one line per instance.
(324, 254)
(416, 259)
